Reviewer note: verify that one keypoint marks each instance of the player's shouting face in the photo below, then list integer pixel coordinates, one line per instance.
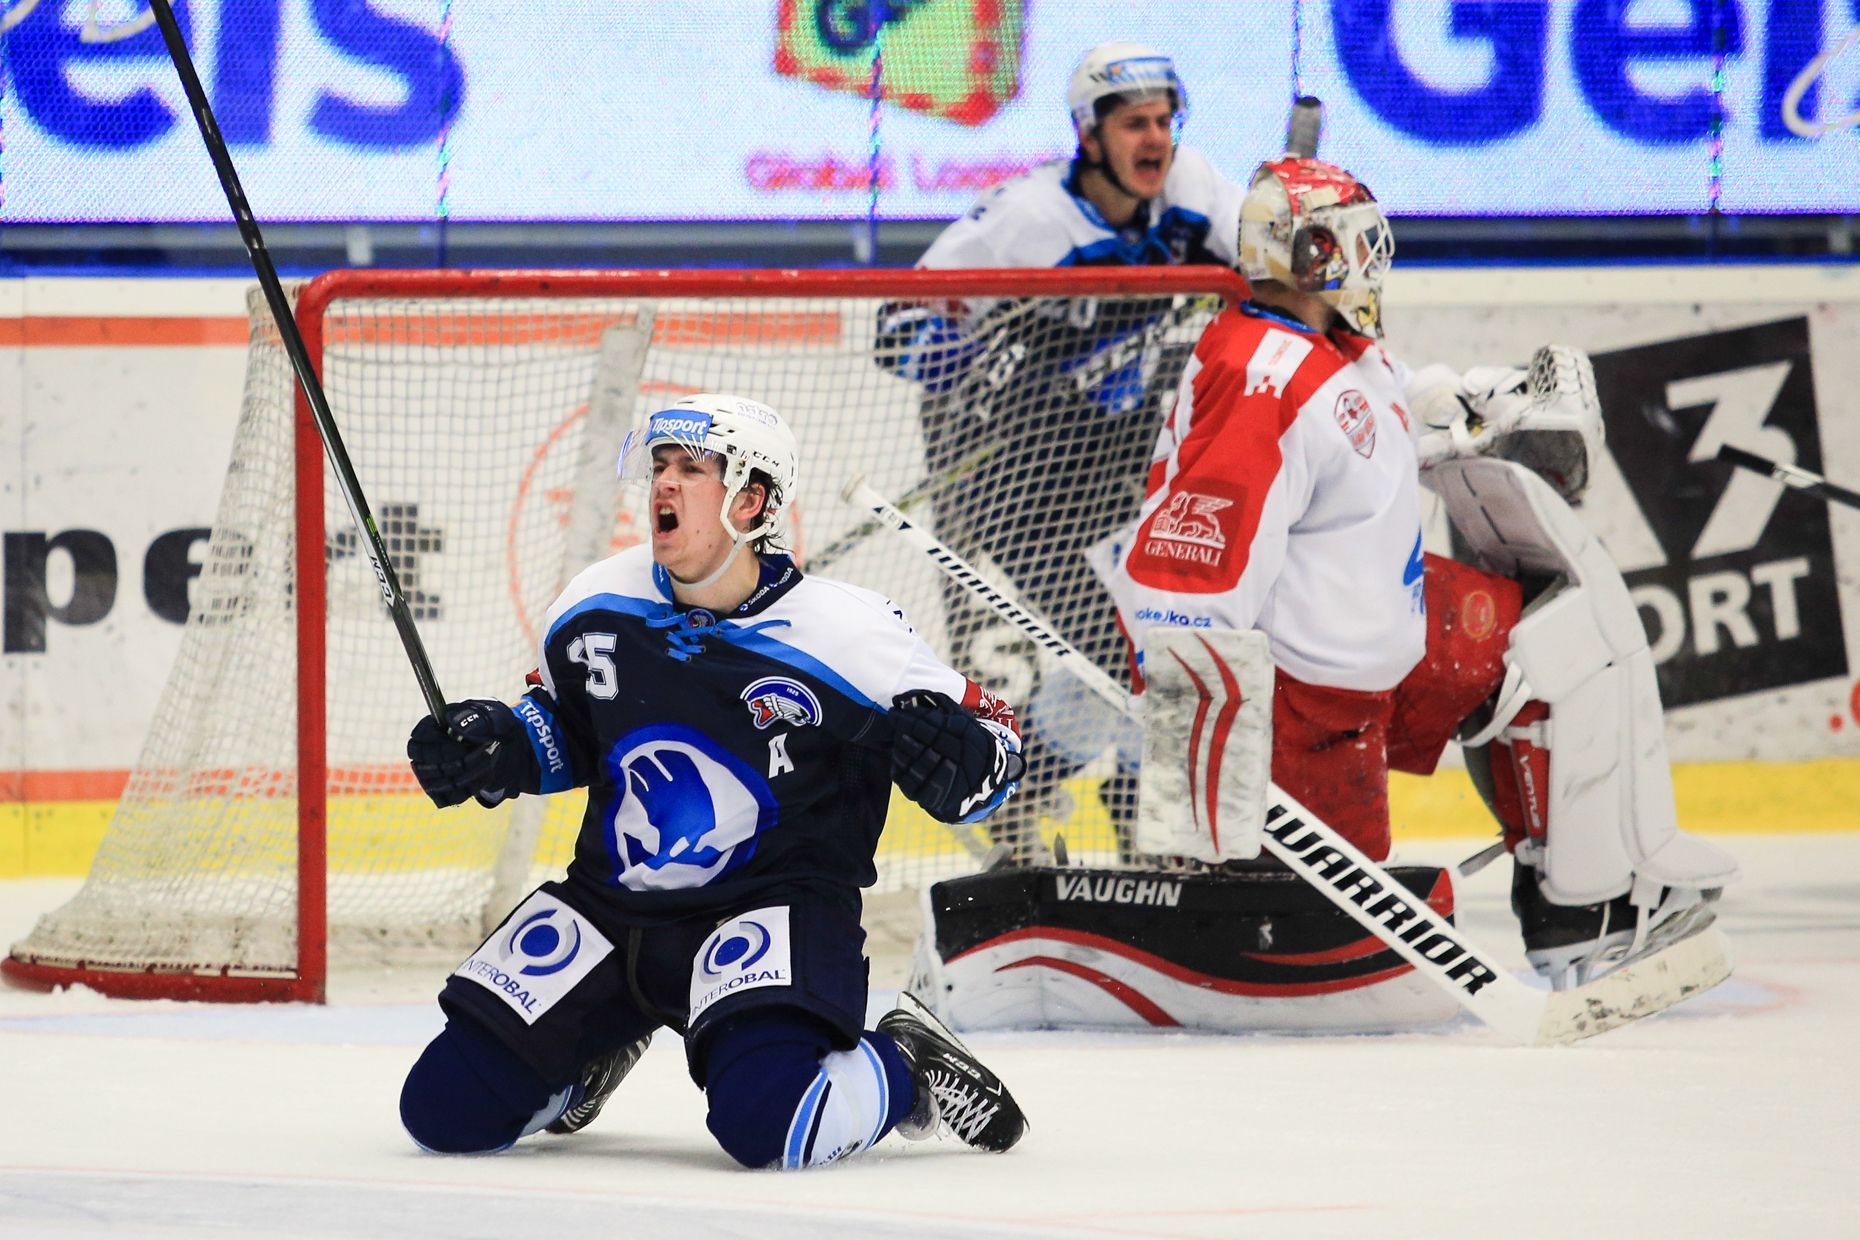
(1135, 142)
(688, 537)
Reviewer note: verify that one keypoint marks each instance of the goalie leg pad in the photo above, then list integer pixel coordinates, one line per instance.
(1580, 650)
(1232, 951)
(1207, 743)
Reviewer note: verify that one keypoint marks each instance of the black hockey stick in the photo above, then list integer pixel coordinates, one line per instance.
(1791, 476)
(346, 480)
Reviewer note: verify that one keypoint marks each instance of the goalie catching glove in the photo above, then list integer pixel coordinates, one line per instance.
(483, 752)
(954, 765)
(1547, 418)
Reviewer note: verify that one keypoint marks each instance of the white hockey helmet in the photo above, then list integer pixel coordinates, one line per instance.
(1312, 226)
(1129, 71)
(746, 434)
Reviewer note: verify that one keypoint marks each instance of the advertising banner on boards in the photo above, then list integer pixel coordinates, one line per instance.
(1746, 588)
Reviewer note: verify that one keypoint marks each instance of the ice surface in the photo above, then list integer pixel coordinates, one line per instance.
(1733, 1115)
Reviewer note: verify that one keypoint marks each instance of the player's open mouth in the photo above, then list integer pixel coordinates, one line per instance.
(1150, 167)
(665, 520)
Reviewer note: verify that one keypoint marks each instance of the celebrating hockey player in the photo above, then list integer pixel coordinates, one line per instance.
(1002, 401)
(737, 725)
(1282, 497)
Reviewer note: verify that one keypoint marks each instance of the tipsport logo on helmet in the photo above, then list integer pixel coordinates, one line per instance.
(744, 953)
(1141, 73)
(678, 425)
(537, 956)
(957, 59)
(684, 812)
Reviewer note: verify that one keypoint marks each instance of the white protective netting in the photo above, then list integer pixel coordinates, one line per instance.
(483, 428)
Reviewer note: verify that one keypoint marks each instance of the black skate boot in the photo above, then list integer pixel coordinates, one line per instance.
(598, 1080)
(953, 1088)
(1571, 944)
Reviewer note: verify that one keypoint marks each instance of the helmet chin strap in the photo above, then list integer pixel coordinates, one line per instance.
(737, 539)
(736, 545)
(1104, 169)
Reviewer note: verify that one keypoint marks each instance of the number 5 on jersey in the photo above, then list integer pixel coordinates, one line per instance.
(595, 651)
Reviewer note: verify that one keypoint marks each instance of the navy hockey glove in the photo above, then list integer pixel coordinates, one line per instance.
(946, 759)
(492, 761)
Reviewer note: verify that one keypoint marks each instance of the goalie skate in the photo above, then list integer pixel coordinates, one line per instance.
(954, 1090)
(1572, 944)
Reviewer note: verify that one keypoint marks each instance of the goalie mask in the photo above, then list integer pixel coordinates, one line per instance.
(1125, 72)
(746, 434)
(1313, 227)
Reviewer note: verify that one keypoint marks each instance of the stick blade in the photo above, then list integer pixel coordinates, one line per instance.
(1649, 985)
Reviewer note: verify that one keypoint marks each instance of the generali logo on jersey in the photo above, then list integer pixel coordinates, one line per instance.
(1734, 575)
(1188, 539)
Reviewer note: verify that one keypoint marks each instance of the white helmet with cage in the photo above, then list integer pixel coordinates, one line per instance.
(1129, 71)
(1313, 227)
(746, 434)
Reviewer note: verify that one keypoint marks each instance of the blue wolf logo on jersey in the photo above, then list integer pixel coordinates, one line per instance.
(685, 811)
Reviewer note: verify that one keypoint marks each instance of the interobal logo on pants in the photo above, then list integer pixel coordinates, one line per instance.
(742, 954)
(1735, 578)
(537, 956)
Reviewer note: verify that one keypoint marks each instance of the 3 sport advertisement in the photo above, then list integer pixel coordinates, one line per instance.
(844, 109)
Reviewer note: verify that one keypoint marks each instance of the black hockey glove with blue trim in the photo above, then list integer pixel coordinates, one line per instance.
(489, 758)
(946, 759)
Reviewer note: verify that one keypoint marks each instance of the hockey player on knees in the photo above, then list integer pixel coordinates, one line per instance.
(1283, 498)
(1025, 447)
(738, 726)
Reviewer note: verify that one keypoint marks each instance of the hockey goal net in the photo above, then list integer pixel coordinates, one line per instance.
(271, 824)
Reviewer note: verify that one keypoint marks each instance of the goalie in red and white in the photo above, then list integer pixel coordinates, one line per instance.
(1283, 498)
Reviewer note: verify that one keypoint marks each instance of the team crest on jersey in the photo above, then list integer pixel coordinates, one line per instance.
(685, 810)
(776, 699)
(1357, 421)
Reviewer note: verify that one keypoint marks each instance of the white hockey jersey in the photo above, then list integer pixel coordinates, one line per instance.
(1036, 220)
(1282, 496)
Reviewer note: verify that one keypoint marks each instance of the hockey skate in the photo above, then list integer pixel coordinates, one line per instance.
(1572, 944)
(598, 1081)
(953, 1088)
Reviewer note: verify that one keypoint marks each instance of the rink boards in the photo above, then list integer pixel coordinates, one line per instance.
(1751, 594)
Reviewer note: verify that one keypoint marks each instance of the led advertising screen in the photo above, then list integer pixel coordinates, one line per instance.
(485, 110)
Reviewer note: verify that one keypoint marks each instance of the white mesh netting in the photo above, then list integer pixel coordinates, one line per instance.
(483, 423)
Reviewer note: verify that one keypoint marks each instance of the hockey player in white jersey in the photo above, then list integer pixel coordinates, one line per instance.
(996, 374)
(738, 726)
(1282, 497)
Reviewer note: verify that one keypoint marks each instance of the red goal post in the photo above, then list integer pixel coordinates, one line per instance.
(271, 825)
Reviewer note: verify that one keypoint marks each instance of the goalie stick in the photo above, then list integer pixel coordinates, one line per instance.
(1365, 891)
(1803, 480)
(293, 341)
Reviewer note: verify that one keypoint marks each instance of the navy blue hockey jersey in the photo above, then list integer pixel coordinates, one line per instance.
(727, 753)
